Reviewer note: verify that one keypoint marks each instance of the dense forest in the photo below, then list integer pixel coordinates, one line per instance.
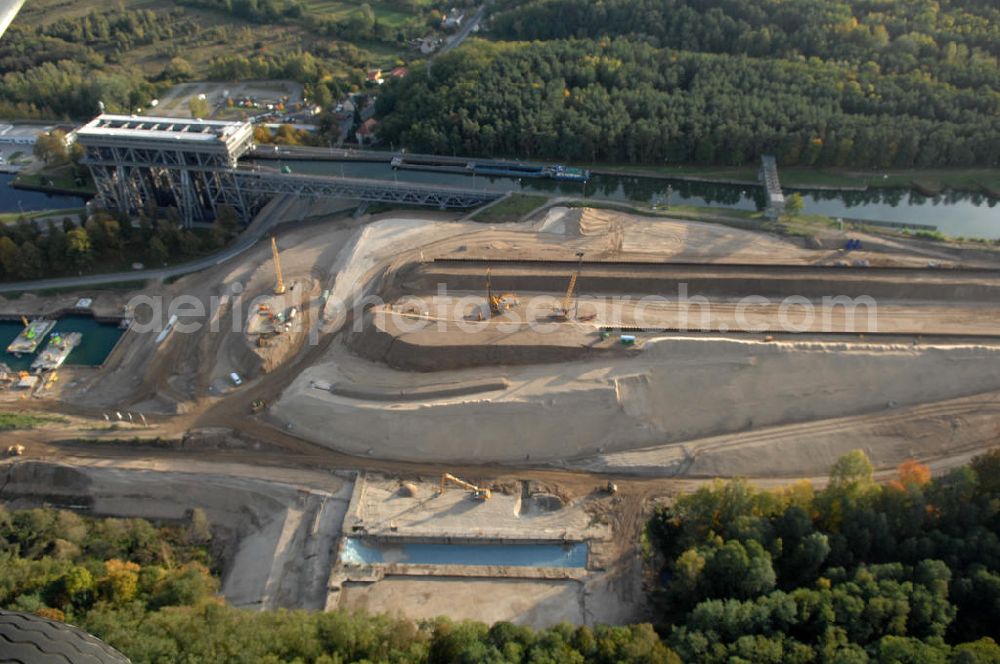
(258, 11)
(902, 573)
(64, 68)
(29, 250)
(148, 590)
(956, 41)
(857, 572)
(63, 566)
(859, 83)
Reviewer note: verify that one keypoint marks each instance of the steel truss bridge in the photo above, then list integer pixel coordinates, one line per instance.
(193, 165)
(374, 191)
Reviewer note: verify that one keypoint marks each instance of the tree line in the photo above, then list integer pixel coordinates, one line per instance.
(957, 41)
(857, 572)
(61, 565)
(67, 67)
(149, 590)
(258, 11)
(902, 573)
(622, 100)
(32, 250)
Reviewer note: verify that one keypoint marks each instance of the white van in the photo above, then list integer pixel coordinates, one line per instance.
(235, 377)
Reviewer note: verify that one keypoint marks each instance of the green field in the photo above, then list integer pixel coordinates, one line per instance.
(511, 208)
(337, 9)
(54, 182)
(14, 217)
(15, 421)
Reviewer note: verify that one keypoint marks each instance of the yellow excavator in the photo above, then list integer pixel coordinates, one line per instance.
(499, 304)
(479, 493)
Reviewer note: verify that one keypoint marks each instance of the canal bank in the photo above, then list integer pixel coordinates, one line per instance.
(927, 181)
(27, 199)
(953, 213)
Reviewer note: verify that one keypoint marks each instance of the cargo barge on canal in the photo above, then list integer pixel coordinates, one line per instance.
(55, 354)
(31, 337)
(508, 169)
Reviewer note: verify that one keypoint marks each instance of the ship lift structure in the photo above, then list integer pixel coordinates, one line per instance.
(194, 166)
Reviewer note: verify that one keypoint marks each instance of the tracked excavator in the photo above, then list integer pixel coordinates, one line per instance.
(479, 493)
(499, 304)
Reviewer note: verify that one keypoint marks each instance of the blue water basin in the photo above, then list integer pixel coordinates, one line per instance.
(358, 552)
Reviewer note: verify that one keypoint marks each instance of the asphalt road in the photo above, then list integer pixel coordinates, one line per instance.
(466, 30)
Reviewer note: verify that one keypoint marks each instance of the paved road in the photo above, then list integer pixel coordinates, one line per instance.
(462, 34)
(245, 241)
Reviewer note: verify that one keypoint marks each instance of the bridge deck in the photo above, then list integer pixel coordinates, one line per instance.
(375, 191)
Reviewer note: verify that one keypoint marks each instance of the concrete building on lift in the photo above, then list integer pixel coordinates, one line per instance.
(186, 164)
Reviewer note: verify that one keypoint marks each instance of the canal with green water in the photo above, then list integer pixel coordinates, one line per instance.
(99, 340)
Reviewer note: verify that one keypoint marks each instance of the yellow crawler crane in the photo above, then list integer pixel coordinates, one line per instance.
(478, 492)
(569, 293)
(562, 314)
(279, 287)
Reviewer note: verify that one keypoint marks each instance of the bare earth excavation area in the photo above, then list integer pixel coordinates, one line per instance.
(728, 346)
(588, 341)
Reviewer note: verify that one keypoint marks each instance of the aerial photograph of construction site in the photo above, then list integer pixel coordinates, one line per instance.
(284, 377)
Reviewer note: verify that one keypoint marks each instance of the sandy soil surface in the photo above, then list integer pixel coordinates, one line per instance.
(928, 431)
(555, 407)
(538, 603)
(517, 511)
(453, 320)
(513, 512)
(667, 390)
(672, 389)
(674, 406)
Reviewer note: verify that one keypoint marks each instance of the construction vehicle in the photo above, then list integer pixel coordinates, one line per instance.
(499, 304)
(479, 493)
(15, 450)
(279, 287)
(562, 314)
